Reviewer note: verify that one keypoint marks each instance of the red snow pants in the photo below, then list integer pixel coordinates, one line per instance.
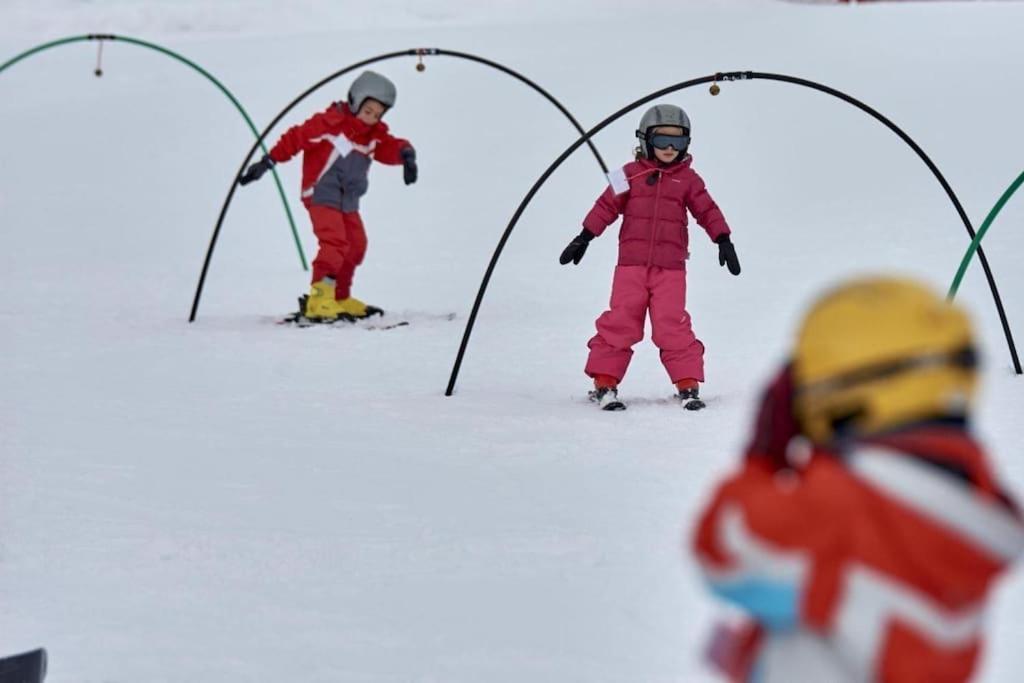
(635, 291)
(342, 242)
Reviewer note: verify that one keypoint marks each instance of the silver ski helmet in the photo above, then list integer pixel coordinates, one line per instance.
(370, 85)
(662, 115)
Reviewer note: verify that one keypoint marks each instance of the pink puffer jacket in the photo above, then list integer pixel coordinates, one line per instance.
(653, 201)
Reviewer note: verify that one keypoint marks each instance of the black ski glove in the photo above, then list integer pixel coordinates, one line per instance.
(727, 254)
(409, 170)
(256, 171)
(577, 248)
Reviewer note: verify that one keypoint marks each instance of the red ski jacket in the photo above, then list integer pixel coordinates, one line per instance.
(874, 565)
(653, 201)
(337, 149)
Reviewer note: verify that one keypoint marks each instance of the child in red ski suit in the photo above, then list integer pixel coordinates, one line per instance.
(653, 195)
(873, 557)
(338, 145)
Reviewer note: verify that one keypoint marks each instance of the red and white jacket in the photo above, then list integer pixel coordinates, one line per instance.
(337, 149)
(873, 565)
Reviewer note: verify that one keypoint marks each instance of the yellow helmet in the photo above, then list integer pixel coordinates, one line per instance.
(877, 353)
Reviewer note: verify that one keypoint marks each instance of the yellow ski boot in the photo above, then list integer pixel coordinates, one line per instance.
(321, 304)
(354, 307)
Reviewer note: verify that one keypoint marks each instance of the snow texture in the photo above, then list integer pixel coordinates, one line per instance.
(237, 501)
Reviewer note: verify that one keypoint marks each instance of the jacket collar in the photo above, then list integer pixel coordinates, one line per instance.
(352, 123)
(671, 169)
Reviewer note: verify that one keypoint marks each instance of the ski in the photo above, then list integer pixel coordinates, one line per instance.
(27, 667)
(367, 323)
(376, 319)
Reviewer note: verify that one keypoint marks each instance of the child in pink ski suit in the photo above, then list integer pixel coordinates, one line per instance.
(653, 195)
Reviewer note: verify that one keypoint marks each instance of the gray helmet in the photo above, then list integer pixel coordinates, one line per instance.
(371, 85)
(661, 115)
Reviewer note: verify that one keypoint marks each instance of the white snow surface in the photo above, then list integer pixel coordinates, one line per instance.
(231, 500)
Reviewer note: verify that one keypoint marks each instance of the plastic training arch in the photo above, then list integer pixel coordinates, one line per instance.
(714, 80)
(976, 242)
(100, 37)
(420, 53)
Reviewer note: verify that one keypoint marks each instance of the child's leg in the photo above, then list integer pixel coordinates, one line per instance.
(355, 251)
(682, 353)
(329, 228)
(621, 326)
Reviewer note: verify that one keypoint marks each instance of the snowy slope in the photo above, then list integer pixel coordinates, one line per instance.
(234, 501)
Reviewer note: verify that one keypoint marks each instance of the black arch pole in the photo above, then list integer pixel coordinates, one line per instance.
(548, 96)
(996, 298)
(720, 76)
(415, 52)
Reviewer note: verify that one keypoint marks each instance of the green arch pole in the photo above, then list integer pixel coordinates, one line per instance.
(976, 242)
(184, 60)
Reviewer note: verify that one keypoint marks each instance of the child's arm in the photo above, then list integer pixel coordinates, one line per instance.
(610, 205)
(706, 211)
(394, 151)
(389, 149)
(607, 208)
(294, 140)
(710, 217)
(298, 138)
(754, 542)
(755, 546)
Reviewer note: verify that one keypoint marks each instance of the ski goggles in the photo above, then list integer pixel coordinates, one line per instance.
(662, 141)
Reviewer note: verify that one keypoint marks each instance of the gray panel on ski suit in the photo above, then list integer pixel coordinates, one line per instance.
(344, 182)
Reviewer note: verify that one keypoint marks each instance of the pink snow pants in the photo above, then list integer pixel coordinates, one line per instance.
(635, 290)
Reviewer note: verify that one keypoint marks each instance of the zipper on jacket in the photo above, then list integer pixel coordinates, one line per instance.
(654, 226)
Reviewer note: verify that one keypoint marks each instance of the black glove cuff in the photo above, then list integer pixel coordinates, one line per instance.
(586, 235)
(723, 239)
(408, 154)
(268, 161)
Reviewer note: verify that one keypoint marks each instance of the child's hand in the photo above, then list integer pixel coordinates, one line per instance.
(727, 254)
(577, 248)
(409, 170)
(256, 171)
